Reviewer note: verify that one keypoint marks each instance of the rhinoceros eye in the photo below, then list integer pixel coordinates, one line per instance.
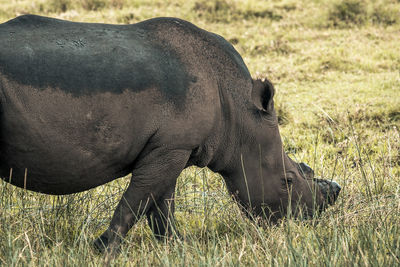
(287, 181)
(288, 178)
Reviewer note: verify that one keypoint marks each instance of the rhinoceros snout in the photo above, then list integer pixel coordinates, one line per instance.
(329, 189)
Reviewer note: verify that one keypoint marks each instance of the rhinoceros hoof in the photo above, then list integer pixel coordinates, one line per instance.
(101, 244)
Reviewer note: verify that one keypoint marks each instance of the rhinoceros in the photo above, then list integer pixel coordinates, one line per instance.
(82, 104)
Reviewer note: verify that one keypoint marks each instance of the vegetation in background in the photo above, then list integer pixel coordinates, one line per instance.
(346, 13)
(335, 65)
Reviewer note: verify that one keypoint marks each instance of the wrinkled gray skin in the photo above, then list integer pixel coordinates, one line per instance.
(83, 104)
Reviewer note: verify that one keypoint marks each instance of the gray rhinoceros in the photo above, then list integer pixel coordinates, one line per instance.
(82, 104)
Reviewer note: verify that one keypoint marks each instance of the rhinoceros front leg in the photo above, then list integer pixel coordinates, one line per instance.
(161, 215)
(154, 177)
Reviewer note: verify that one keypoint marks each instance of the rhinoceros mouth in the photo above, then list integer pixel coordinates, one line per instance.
(329, 189)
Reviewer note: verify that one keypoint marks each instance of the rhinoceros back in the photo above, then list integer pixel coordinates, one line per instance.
(83, 58)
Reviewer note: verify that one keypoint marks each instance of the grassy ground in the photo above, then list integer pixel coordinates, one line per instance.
(335, 65)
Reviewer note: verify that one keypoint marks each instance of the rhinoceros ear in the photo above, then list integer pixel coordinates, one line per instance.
(263, 94)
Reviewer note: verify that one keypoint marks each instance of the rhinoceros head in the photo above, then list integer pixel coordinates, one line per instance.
(261, 176)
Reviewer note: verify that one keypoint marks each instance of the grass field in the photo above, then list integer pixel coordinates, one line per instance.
(336, 67)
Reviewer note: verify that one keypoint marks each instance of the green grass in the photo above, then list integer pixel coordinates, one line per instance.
(335, 65)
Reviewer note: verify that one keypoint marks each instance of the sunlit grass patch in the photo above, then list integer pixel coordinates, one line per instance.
(226, 11)
(349, 13)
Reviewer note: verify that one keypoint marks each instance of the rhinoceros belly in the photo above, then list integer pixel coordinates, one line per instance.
(57, 143)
